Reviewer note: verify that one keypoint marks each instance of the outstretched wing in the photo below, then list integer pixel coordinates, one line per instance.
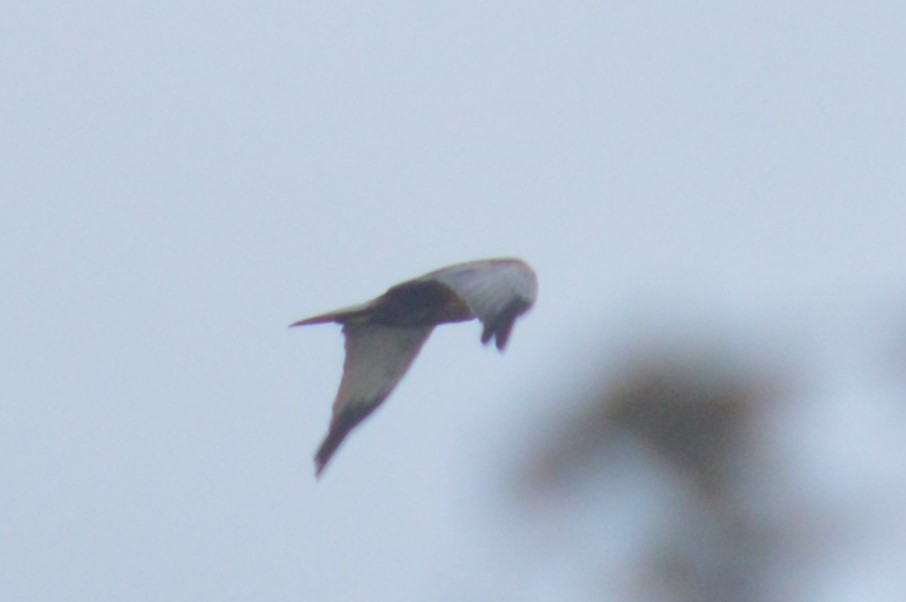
(496, 290)
(377, 357)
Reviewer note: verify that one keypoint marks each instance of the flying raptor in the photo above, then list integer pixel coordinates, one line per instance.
(384, 335)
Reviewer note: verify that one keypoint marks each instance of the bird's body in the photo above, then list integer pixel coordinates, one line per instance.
(384, 335)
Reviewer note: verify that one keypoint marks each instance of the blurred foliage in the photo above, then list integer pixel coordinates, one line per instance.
(691, 420)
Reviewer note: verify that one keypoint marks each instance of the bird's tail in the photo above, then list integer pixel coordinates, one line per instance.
(338, 315)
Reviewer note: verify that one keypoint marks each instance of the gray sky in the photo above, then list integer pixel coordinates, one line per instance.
(180, 181)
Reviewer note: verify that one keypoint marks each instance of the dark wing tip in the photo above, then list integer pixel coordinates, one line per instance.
(499, 331)
(501, 326)
(340, 427)
(323, 456)
(503, 333)
(330, 445)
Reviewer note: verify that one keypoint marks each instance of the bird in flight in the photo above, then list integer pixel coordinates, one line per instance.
(384, 335)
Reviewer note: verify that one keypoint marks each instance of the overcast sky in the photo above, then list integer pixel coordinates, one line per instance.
(181, 180)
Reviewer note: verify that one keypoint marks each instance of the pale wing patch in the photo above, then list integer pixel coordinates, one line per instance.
(377, 357)
(489, 286)
(497, 291)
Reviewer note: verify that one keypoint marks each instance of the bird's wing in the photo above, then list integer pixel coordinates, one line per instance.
(496, 290)
(377, 357)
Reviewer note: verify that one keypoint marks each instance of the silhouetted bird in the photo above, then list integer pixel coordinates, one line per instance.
(384, 335)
